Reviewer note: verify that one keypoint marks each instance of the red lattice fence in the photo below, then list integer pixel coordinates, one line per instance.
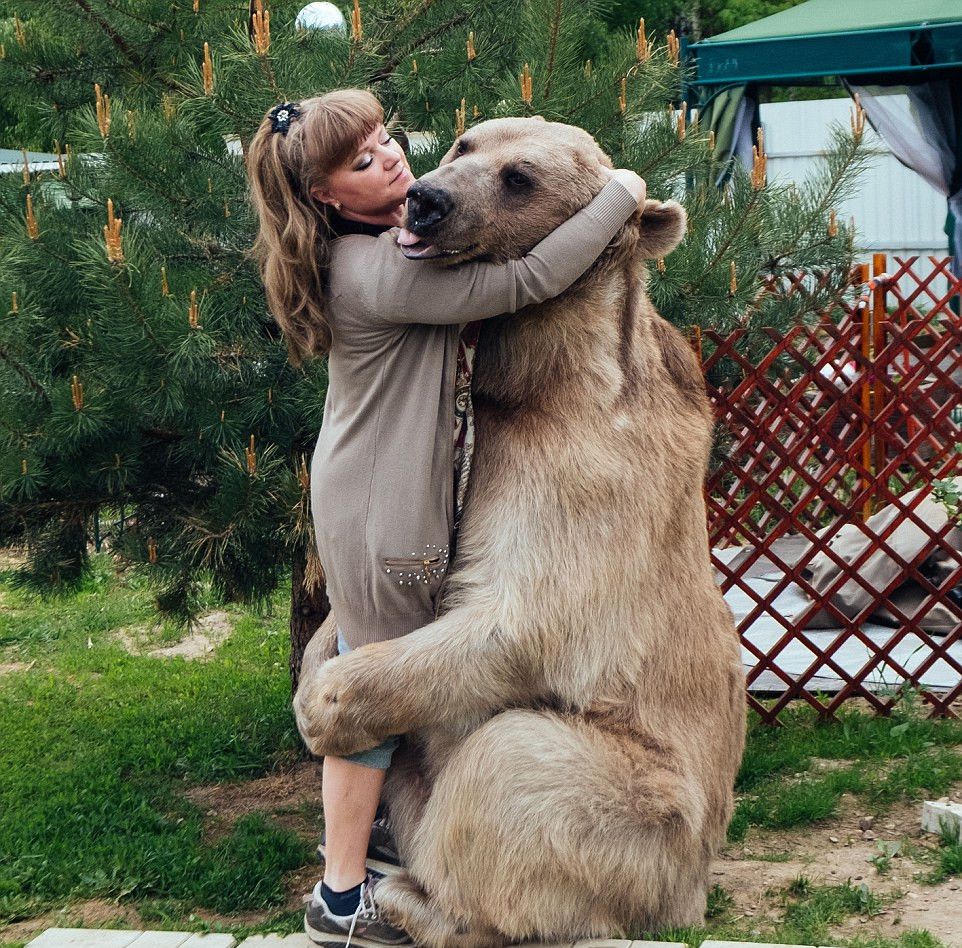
(819, 430)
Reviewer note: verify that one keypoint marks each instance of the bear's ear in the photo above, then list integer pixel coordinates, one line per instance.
(662, 228)
(537, 118)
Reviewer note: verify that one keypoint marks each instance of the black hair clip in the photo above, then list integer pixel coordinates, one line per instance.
(281, 116)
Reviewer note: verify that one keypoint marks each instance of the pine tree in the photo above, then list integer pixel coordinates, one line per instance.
(139, 369)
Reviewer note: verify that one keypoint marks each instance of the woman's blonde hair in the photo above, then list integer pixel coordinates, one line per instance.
(292, 246)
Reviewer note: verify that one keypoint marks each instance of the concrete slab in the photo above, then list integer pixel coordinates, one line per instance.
(122, 938)
(115, 938)
(607, 943)
(299, 940)
(603, 943)
(939, 814)
(84, 938)
(218, 940)
(160, 940)
(742, 944)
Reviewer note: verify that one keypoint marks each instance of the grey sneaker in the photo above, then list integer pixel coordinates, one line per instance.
(364, 929)
(382, 856)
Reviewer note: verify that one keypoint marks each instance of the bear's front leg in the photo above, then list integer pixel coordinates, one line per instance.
(337, 708)
(459, 666)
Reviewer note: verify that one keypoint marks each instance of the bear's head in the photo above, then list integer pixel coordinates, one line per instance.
(505, 184)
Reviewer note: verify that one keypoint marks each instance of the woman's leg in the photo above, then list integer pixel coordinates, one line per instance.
(351, 790)
(350, 793)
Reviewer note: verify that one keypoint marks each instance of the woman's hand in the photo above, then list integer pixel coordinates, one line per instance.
(633, 182)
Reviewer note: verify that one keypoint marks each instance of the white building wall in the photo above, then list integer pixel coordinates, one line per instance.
(896, 212)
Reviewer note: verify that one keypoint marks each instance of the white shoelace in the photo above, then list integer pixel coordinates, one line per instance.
(365, 908)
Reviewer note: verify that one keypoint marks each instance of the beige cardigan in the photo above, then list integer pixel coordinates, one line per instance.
(382, 470)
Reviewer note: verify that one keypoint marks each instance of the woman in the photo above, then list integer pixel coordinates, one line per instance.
(391, 463)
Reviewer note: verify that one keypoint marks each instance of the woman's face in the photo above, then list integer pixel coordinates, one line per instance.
(373, 181)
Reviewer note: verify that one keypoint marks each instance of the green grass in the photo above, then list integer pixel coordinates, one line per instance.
(809, 912)
(880, 759)
(811, 909)
(720, 902)
(99, 747)
(948, 859)
(773, 857)
(950, 862)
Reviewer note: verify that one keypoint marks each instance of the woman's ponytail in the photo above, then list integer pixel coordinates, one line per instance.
(292, 246)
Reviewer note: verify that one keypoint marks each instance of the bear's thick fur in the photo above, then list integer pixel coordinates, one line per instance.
(576, 714)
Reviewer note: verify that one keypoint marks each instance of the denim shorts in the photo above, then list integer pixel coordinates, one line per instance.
(378, 757)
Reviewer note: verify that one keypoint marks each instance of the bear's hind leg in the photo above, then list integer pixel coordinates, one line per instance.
(545, 827)
(406, 904)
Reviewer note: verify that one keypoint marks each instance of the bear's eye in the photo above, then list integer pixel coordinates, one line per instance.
(460, 146)
(516, 179)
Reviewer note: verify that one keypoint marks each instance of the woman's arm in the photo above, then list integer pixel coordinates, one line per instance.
(398, 290)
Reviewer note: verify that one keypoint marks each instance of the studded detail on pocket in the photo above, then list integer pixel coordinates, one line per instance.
(427, 568)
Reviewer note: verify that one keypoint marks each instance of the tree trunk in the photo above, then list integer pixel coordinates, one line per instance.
(309, 608)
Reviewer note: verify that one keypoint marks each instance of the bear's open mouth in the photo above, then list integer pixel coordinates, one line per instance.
(416, 248)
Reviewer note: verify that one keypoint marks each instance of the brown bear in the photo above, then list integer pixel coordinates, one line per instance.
(576, 715)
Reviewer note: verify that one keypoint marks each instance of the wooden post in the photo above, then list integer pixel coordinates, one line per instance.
(879, 315)
(866, 395)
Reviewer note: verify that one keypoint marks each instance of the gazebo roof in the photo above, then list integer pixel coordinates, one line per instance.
(829, 37)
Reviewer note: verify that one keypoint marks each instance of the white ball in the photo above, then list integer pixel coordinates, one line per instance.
(321, 16)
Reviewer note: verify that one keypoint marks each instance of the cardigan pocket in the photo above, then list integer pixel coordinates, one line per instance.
(427, 569)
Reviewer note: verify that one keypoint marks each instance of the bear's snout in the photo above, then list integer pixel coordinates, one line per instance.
(428, 205)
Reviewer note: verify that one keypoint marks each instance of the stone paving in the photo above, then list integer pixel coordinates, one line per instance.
(119, 938)
(114, 938)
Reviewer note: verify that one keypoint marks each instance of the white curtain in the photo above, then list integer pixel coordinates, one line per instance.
(920, 123)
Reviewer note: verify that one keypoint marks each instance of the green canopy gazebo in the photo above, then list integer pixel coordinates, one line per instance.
(903, 57)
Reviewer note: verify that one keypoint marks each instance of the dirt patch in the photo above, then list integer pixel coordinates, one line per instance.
(300, 883)
(92, 913)
(7, 668)
(99, 913)
(208, 632)
(828, 764)
(757, 872)
(12, 557)
(292, 799)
